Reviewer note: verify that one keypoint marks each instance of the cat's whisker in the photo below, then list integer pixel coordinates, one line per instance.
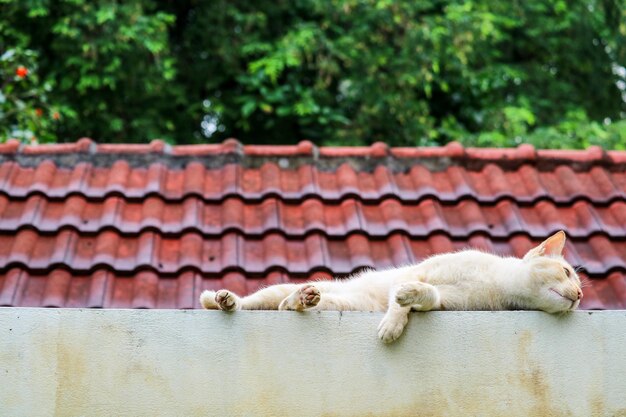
(584, 280)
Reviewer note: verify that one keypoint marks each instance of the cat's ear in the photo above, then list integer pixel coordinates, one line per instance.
(552, 246)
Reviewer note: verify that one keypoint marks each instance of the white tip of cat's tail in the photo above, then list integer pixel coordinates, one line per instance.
(207, 300)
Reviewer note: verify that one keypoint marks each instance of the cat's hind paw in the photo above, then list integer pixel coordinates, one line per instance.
(304, 297)
(391, 327)
(207, 300)
(226, 300)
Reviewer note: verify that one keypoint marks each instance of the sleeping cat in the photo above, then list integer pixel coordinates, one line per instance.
(465, 280)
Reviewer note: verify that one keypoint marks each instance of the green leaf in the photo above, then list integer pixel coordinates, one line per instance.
(248, 108)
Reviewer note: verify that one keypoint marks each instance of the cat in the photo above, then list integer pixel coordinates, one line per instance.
(464, 280)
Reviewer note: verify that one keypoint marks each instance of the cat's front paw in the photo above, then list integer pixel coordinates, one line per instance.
(304, 297)
(391, 327)
(226, 300)
(309, 296)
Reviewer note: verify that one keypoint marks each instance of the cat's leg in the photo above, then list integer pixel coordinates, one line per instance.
(418, 295)
(402, 298)
(310, 297)
(265, 299)
(268, 298)
(342, 302)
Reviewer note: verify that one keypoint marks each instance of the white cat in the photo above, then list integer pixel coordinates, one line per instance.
(465, 280)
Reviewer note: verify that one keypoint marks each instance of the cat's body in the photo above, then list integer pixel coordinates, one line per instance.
(466, 280)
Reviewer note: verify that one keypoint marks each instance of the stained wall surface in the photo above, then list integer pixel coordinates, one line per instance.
(75, 362)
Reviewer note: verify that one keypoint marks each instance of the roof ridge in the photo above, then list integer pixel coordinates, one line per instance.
(453, 150)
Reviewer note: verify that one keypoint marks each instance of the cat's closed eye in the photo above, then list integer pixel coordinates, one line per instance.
(567, 272)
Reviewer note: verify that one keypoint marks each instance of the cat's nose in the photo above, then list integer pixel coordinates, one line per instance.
(580, 294)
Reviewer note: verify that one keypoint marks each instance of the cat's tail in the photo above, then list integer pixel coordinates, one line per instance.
(207, 300)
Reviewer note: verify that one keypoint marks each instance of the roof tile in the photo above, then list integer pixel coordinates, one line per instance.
(563, 185)
(121, 233)
(11, 146)
(351, 215)
(214, 255)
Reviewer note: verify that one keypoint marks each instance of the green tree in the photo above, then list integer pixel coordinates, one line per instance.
(24, 108)
(547, 72)
(106, 65)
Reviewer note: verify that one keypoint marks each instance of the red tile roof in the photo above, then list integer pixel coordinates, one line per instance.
(151, 226)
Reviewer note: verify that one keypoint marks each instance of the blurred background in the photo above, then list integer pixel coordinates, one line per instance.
(486, 73)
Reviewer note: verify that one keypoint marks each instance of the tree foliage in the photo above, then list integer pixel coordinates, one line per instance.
(547, 72)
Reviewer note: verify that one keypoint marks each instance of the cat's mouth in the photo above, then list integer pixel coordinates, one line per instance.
(564, 296)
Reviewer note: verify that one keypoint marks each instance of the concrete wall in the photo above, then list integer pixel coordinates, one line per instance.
(198, 363)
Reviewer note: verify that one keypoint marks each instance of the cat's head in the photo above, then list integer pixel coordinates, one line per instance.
(555, 285)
